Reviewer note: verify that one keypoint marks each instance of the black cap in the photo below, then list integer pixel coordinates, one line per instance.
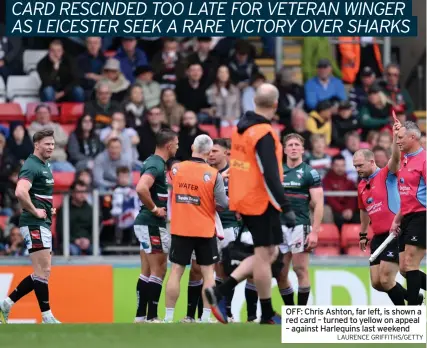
(323, 63)
(367, 72)
(142, 69)
(345, 105)
(128, 38)
(204, 39)
(324, 105)
(375, 88)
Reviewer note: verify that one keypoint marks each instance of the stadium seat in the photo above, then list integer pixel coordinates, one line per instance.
(350, 235)
(210, 129)
(71, 112)
(24, 101)
(31, 111)
(11, 112)
(68, 128)
(355, 251)
(22, 86)
(57, 200)
(32, 58)
(226, 132)
(329, 235)
(63, 180)
(135, 177)
(332, 151)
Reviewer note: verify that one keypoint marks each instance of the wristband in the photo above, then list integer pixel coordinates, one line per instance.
(154, 209)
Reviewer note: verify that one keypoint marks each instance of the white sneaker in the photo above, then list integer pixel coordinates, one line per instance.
(230, 319)
(4, 312)
(188, 320)
(209, 321)
(50, 319)
(154, 321)
(140, 320)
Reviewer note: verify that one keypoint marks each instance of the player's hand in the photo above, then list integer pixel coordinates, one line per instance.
(289, 218)
(311, 241)
(41, 214)
(363, 241)
(53, 211)
(396, 127)
(161, 212)
(395, 229)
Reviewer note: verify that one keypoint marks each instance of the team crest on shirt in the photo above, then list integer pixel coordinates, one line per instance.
(174, 171)
(402, 180)
(370, 200)
(206, 177)
(300, 173)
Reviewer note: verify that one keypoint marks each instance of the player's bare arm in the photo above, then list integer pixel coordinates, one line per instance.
(394, 162)
(22, 193)
(316, 195)
(143, 189)
(395, 226)
(364, 224)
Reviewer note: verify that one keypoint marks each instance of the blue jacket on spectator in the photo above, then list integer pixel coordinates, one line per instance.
(89, 64)
(128, 66)
(315, 92)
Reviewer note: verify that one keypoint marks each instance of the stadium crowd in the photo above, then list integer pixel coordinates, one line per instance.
(128, 89)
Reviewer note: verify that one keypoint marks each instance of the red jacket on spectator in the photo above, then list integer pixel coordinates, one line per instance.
(334, 182)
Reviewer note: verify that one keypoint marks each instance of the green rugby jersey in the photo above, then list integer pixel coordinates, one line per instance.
(297, 183)
(228, 218)
(39, 174)
(156, 167)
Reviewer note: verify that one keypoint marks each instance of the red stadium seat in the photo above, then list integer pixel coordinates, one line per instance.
(63, 180)
(350, 235)
(71, 112)
(327, 251)
(10, 112)
(355, 251)
(329, 235)
(3, 222)
(332, 151)
(226, 132)
(135, 177)
(210, 129)
(110, 54)
(68, 128)
(31, 111)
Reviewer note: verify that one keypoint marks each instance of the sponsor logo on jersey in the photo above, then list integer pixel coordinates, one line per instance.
(35, 234)
(207, 177)
(50, 181)
(402, 180)
(369, 200)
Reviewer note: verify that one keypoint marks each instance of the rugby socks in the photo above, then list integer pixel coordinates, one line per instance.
(228, 301)
(41, 289)
(413, 279)
(200, 305)
(154, 291)
(24, 288)
(303, 294)
(288, 296)
(206, 315)
(226, 287)
(218, 281)
(142, 297)
(397, 296)
(194, 294)
(251, 296)
(169, 314)
(267, 311)
(423, 280)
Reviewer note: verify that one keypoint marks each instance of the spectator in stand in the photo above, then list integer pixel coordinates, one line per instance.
(392, 88)
(343, 123)
(102, 107)
(128, 137)
(134, 107)
(84, 144)
(80, 222)
(323, 87)
(352, 144)
(298, 125)
(106, 164)
(168, 65)
(19, 144)
(317, 157)
(189, 130)
(372, 138)
(86, 176)
(58, 160)
(9, 204)
(192, 94)
(10, 55)
(381, 156)
(208, 61)
(15, 245)
(375, 115)
(242, 66)
(118, 82)
(147, 132)
(90, 64)
(7, 162)
(130, 57)
(343, 207)
(248, 94)
(313, 50)
(359, 93)
(385, 140)
(319, 121)
(291, 94)
(224, 98)
(172, 110)
(150, 88)
(59, 76)
(423, 140)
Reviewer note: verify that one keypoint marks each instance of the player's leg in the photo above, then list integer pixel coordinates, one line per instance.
(142, 289)
(285, 286)
(181, 250)
(220, 277)
(374, 271)
(251, 296)
(394, 290)
(194, 293)
(300, 262)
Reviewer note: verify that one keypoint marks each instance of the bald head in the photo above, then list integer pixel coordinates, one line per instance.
(364, 153)
(266, 96)
(364, 162)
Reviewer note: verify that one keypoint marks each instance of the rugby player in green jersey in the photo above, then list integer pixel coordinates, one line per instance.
(34, 192)
(303, 187)
(150, 226)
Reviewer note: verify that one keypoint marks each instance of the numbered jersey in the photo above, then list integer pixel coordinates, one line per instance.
(154, 166)
(297, 183)
(39, 175)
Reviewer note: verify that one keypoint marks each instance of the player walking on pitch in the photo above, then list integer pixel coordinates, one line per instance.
(34, 192)
(302, 184)
(412, 215)
(150, 226)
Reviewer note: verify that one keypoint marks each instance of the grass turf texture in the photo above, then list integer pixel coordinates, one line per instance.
(161, 335)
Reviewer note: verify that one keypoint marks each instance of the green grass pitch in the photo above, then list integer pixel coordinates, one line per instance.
(159, 335)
